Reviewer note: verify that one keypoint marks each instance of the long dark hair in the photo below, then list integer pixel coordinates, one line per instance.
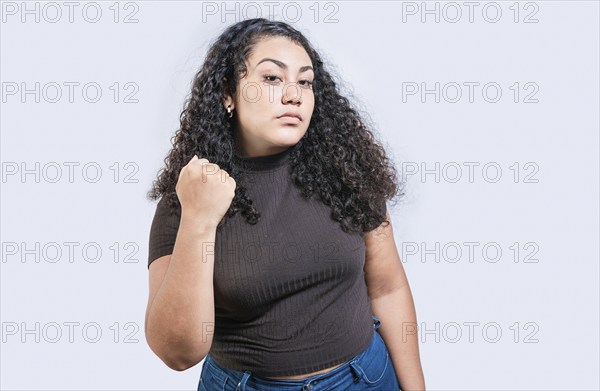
(338, 158)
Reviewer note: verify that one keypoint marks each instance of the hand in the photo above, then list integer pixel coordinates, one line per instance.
(205, 191)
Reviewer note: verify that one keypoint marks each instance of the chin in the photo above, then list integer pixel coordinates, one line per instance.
(288, 134)
(285, 143)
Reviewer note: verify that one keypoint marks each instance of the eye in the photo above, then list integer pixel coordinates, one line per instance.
(307, 83)
(266, 77)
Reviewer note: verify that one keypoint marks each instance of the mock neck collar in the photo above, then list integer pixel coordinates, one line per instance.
(265, 162)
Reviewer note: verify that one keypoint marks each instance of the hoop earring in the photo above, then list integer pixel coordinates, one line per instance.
(229, 111)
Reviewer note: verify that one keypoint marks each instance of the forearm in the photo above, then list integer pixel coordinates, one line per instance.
(398, 329)
(180, 321)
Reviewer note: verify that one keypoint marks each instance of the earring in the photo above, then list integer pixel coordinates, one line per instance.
(229, 111)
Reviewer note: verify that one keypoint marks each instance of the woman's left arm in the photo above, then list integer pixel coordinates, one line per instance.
(392, 303)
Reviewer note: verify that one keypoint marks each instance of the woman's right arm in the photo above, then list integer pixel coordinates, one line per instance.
(180, 316)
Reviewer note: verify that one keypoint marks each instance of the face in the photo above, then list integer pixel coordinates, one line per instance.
(278, 81)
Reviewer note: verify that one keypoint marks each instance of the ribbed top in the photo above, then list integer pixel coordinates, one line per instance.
(265, 163)
(290, 294)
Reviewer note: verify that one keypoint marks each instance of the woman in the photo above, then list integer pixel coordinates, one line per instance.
(300, 289)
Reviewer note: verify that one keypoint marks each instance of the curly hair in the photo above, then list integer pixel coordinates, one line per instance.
(338, 158)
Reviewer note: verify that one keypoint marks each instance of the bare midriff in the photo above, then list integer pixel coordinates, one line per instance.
(303, 376)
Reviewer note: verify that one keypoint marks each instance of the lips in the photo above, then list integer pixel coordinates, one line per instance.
(290, 114)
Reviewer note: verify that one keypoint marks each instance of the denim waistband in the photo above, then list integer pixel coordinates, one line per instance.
(242, 377)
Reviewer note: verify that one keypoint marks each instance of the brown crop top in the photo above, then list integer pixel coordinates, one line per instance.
(290, 294)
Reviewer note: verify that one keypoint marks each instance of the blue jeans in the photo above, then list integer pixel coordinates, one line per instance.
(371, 369)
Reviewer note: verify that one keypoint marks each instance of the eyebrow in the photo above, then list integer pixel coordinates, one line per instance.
(282, 65)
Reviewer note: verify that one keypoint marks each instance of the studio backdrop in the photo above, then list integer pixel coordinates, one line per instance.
(488, 109)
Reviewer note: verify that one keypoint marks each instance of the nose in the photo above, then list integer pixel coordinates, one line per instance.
(292, 93)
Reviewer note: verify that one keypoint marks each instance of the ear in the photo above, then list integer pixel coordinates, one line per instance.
(227, 98)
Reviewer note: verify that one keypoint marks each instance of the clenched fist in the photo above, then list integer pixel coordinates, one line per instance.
(205, 191)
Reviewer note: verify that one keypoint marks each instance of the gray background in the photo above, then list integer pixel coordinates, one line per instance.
(544, 305)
